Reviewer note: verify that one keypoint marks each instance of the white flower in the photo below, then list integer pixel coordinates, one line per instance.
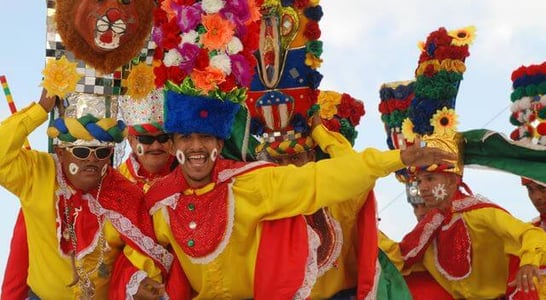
(189, 37)
(173, 58)
(212, 6)
(234, 46)
(222, 62)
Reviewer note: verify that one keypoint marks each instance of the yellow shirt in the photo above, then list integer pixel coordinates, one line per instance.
(344, 274)
(30, 175)
(493, 234)
(273, 193)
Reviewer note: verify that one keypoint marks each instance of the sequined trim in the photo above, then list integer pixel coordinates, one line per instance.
(229, 229)
(337, 244)
(441, 269)
(226, 174)
(134, 283)
(124, 225)
(311, 269)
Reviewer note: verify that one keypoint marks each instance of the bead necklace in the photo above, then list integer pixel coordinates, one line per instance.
(80, 275)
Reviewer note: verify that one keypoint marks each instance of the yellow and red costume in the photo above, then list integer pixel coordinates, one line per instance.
(218, 226)
(105, 226)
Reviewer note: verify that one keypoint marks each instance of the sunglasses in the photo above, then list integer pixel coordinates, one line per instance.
(82, 152)
(150, 139)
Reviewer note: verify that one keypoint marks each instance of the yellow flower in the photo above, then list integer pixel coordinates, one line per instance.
(312, 61)
(424, 65)
(328, 101)
(314, 2)
(60, 77)
(140, 81)
(463, 36)
(421, 46)
(407, 130)
(453, 65)
(444, 121)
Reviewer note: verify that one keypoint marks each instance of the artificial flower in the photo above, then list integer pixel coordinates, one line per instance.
(314, 47)
(172, 58)
(190, 54)
(328, 101)
(314, 13)
(207, 80)
(234, 46)
(453, 65)
(190, 37)
(219, 32)
(140, 81)
(407, 130)
(312, 61)
(212, 6)
(463, 36)
(314, 78)
(242, 69)
(314, 2)
(168, 6)
(188, 17)
(312, 30)
(300, 4)
(221, 62)
(444, 121)
(60, 77)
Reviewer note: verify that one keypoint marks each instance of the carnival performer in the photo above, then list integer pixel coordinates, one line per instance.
(151, 156)
(209, 209)
(281, 95)
(75, 236)
(464, 241)
(395, 99)
(528, 115)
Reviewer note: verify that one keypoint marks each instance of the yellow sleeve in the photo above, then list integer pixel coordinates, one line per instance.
(287, 191)
(16, 163)
(392, 250)
(143, 262)
(521, 239)
(330, 142)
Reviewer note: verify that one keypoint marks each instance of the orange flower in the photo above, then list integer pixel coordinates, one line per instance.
(219, 32)
(207, 80)
(255, 14)
(167, 6)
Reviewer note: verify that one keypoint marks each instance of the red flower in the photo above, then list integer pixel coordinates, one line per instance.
(184, 2)
(357, 111)
(229, 84)
(158, 53)
(300, 4)
(344, 107)
(176, 75)
(332, 124)
(251, 39)
(202, 60)
(160, 17)
(312, 31)
(439, 38)
(171, 37)
(160, 73)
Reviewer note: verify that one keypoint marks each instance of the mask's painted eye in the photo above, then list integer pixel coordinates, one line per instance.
(124, 1)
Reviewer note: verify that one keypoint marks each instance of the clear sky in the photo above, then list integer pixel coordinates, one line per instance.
(366, 43)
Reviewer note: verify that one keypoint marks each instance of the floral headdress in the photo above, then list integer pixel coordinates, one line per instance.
(529, 107)
(286, 83)
(432, 112)
(205, 61)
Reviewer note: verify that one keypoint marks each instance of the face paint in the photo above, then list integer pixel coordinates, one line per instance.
(214, 154)
(73, 168)
(139, 149)
(103, 171)
(439, 192)
(180, 157)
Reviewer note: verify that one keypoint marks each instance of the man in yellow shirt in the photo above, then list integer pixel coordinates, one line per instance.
(76, 233)
(464, 241)
(151, 157)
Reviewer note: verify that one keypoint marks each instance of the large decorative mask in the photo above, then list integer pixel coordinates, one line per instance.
(105, 34)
